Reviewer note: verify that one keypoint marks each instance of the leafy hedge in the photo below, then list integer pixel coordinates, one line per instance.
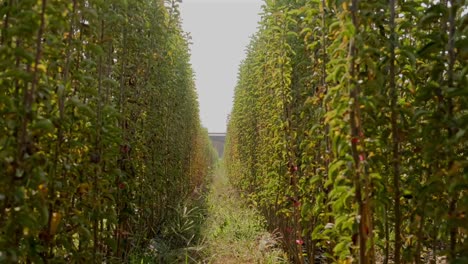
(99, 127)
(349, 129)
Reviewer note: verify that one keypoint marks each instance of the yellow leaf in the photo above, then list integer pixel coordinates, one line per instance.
(42, 189)
(346, 261)
(83, 188)
(345, 5)
(42, 67)
(56, 217)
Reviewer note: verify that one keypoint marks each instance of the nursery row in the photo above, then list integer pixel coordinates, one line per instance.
(349, 129)
(100, 137)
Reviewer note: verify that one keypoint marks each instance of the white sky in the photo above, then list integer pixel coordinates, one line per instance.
(220, 31)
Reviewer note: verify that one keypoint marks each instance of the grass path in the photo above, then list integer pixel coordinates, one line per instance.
(234, 231)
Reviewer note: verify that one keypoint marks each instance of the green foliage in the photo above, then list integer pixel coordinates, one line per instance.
(99, 128)
(180, 240)
(348, 129)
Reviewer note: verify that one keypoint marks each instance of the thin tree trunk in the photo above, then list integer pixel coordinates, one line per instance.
(451, 64)
(395, 138)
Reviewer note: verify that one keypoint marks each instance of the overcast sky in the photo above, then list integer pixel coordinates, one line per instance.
(220, 31)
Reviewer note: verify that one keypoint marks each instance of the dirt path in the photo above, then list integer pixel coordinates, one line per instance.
(234, 232)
